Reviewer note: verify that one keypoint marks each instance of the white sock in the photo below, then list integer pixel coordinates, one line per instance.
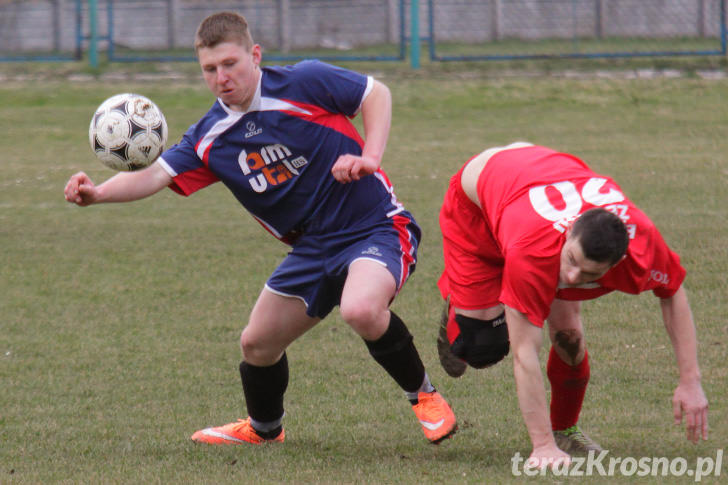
(267, 426)
(425, 387)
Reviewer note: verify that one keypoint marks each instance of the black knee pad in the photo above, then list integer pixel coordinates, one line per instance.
(481, 343)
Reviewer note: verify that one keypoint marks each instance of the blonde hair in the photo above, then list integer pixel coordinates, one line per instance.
(223, 27)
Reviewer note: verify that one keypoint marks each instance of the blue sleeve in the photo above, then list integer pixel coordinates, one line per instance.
(189, 173)
(335, 89)
(181, 157)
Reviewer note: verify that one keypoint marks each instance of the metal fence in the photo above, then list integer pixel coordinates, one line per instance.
(528, 29)
(163, 30)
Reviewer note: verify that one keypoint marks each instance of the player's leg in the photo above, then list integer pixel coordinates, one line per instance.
(472, 329)
(368, 290)
(566, 331)
(454, 366)
(568, 372)
(365, 298)
(275, 322)
(478, 338)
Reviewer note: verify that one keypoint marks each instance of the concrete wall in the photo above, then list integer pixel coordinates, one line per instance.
(460, 20)
(37, 25)
(310, 23)
(42, 25)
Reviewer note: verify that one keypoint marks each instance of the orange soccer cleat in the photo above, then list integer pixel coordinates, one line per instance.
(234, 434)
(435, 415)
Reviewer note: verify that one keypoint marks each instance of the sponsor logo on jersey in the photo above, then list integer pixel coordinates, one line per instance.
(373, 251)
(252, 130)
(270, 166)
(660, 277)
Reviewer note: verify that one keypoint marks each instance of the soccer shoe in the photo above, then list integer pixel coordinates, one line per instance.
(436, 417)
(234, 434)
(454, 366)
(574, 442)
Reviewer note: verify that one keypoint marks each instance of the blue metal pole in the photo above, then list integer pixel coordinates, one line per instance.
(402, 32)
(723, 32)
(93, 53)
(415, 34)
(110, 23)
(79, 31)
(431, 27)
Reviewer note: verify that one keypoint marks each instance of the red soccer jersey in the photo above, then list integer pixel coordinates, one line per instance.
(529, 196)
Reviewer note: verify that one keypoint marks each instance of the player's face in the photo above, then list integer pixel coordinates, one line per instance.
(231, 72)
(577, 269)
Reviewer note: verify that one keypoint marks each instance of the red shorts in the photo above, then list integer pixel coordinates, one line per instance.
(473, 259)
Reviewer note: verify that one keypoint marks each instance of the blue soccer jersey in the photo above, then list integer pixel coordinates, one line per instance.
(276, 158)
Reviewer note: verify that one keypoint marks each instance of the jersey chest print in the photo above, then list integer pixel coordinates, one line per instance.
(269, 166)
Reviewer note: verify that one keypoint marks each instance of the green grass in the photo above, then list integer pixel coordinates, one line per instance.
(119, 324)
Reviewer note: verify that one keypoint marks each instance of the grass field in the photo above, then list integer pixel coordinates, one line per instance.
(119, 324)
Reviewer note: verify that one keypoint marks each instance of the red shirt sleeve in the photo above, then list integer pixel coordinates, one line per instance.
(191, 181)
(664, 274)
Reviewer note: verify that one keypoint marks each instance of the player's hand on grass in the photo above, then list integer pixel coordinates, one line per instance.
(689, 400)
(80, 190)
(549, 456)
(350, 167)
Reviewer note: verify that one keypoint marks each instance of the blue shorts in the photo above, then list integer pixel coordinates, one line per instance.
(316, 268)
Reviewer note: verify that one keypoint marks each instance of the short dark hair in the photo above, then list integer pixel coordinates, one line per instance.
(223, 27)
(602, 235)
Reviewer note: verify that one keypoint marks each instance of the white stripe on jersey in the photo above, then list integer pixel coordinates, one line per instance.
(397, 204)
(216, 130)
(273, 104)
(264, 104)
(370, 85)
(270, 228)
(404, 267)
(276, 292)
(172, 172)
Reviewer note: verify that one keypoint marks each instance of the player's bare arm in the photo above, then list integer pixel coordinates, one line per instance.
(525, 343)
(689, 399)
(122, 187)
(376, 112)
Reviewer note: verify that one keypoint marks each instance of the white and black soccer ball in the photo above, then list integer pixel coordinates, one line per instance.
(128, 132)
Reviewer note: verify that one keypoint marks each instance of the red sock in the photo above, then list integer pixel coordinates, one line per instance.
(568, 386)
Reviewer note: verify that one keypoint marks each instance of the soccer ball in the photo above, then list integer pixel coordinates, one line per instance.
(128, 132)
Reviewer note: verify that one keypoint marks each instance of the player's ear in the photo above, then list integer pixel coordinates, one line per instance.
(620, 260)
(257, 53)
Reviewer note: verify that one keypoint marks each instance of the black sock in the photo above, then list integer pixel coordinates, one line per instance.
(396, 352)
(264, 388)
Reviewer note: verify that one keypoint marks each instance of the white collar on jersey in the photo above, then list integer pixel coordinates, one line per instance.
(261, 103)
(254, 104)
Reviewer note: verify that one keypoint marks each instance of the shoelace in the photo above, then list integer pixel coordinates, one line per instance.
(432, 407)
(575, 433)
(240, 424)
